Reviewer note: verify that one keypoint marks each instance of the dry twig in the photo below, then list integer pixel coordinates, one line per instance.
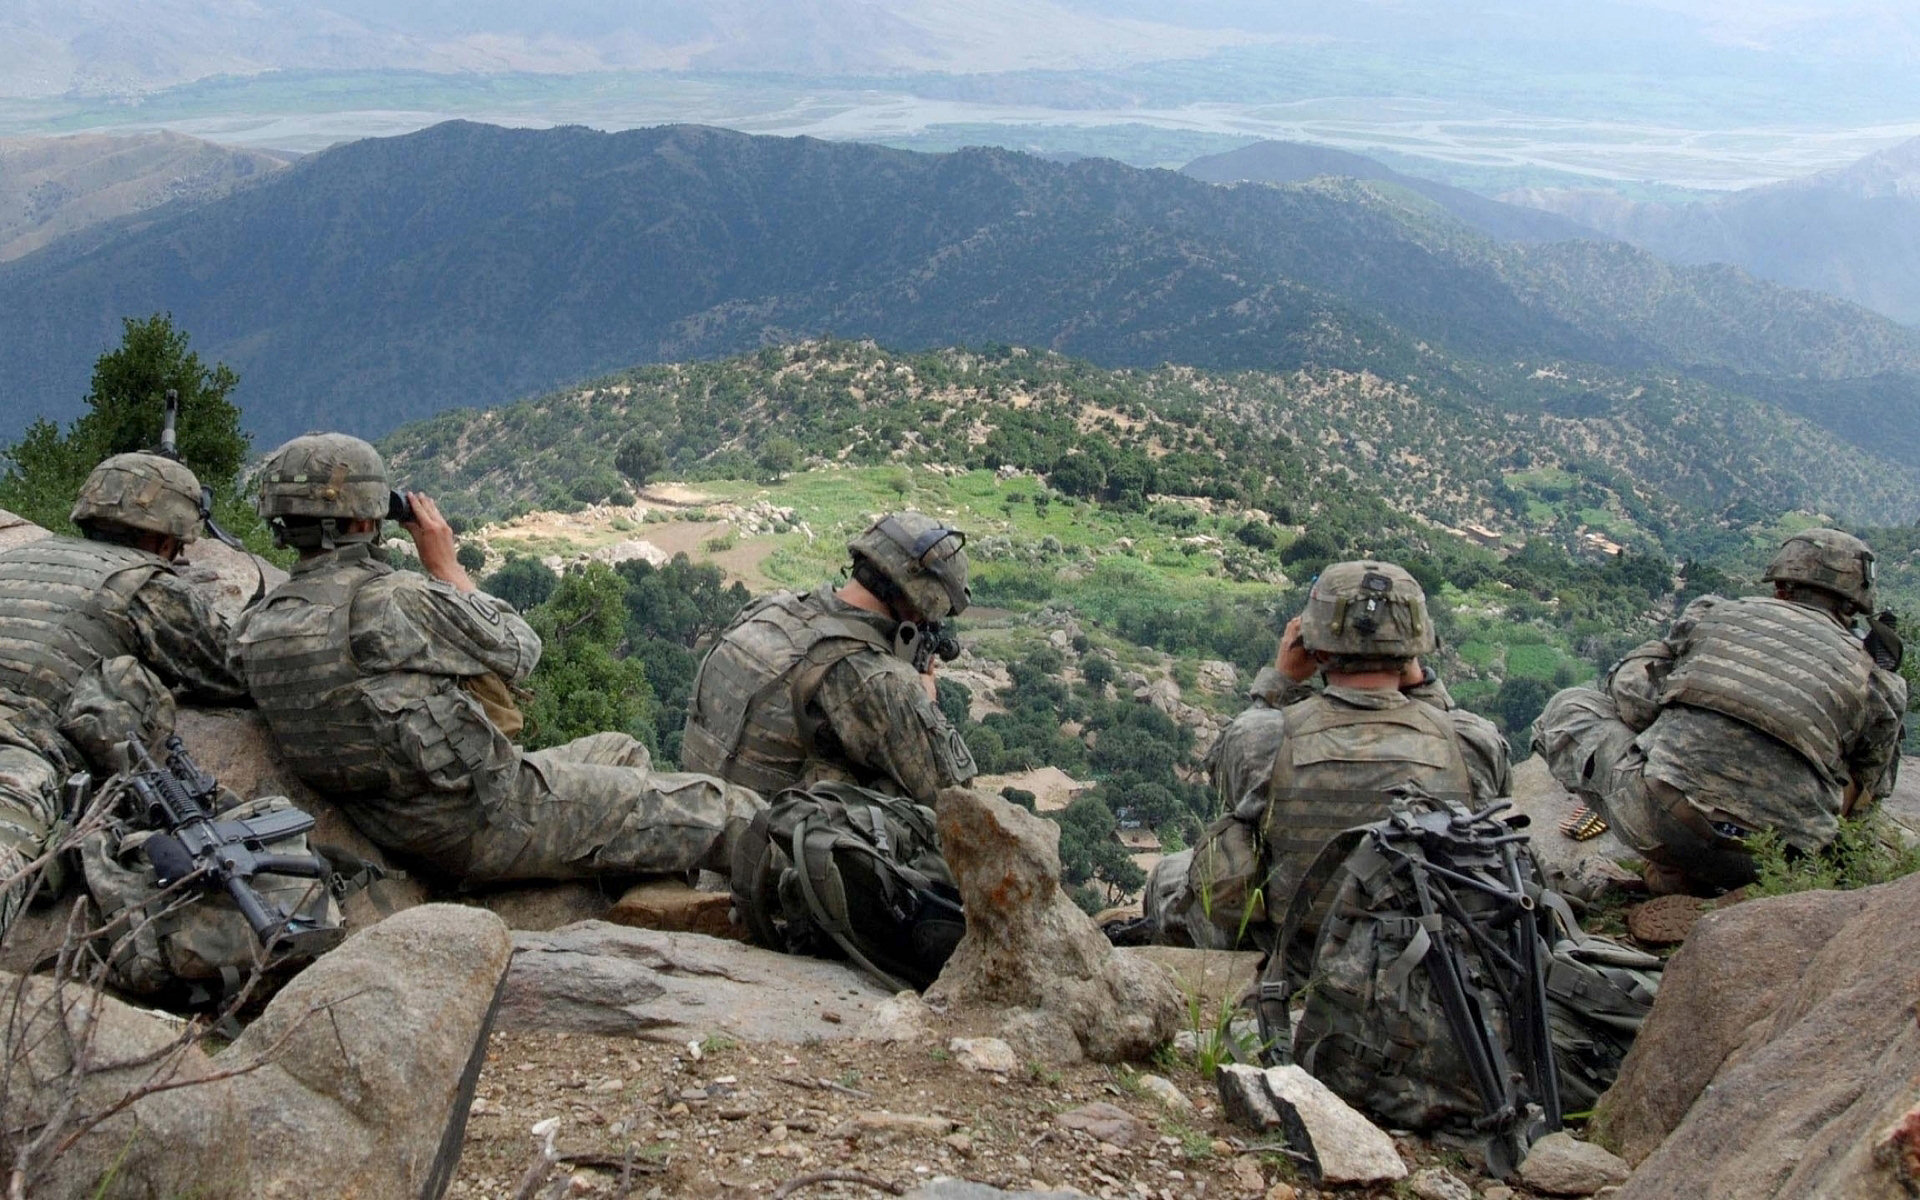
(879, 1185)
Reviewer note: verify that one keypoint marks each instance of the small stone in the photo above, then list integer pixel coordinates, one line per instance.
(959, 1142)
(1562, 1165)
(1496, 1191)
(1244, 1097)
(610, 1085)
(679, 1110)
(1282, 1191)
(903, 1017)
(1435, 1183)
(886, 1122)
(1166, 1093)
(1106, 1122)
(831, 1017)
(1247, 1173)
(988, 1054)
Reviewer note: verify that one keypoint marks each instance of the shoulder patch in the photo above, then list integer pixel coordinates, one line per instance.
(479, 603)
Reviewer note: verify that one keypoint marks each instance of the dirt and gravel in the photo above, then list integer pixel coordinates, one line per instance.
(720, 1118)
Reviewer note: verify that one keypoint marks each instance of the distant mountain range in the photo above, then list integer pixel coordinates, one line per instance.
(50, 187)
(388, 279)
(1297, 162)
(1853, 232)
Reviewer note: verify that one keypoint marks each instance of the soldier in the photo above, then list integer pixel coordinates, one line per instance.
(1761, 713)
(387, 691)
(1299, 765)
(94, 632)
(802, 688)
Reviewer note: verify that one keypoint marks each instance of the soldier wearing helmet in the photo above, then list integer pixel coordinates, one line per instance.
(1760, 713)
(96, 633)
(388, 690)
(825, 685)
(1301, 765)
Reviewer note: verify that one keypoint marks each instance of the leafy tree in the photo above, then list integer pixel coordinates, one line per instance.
(955, 701)
(1079, 475)
(582, 686)
(779, 456)
(522, 582)
(470, 556)
(640, 458)
(1518, 702)
(680, 601)
(126, 407)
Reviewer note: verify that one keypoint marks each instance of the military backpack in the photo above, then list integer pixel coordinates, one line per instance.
(841, 871)
(1439, 985)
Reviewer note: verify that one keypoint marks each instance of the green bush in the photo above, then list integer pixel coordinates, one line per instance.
(1866, 851)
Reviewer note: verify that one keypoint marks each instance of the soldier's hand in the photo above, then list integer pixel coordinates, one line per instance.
(928, 682)
(434, 539)
(1294, 661)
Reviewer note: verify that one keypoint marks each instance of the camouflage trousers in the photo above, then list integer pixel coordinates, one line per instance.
(1598, 757)
(1173, 910)
(596, 806)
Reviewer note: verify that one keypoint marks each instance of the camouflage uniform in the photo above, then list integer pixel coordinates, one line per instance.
(1686, 750)
(1299, 765)
(363, 673)
(1242, 767)
(92, 638)
(803, 688)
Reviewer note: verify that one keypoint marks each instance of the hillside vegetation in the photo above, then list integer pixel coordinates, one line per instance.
(463, 265)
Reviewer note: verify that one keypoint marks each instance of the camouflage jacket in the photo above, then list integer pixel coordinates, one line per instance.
(1724, 764)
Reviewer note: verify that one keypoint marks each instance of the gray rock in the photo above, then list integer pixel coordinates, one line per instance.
(1436, 1183)
(18, 531)
(1903, 806)
(1342, 1146)
(1031, 961)
(228, 577)
(597, 977)
(1780, 1054)
(1107, 1122)
(961, 1189)
(991, 1055)
(900, 1018)
(368, 1055)
(1166, 1093)
(1562, 1165)
(1580, 869)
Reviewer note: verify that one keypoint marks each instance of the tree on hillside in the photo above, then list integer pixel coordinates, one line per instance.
(778, 457)
(582, 684)
(126, 406)
(522, 582)
(640, 458)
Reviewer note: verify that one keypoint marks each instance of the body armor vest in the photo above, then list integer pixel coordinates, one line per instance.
(1785, 669)
(748, 721)
(1334, 768)
(296, 652)
(63, 604)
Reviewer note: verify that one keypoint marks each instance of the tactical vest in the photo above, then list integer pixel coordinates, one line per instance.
(63, 604)
(296, 652)
(748, 721)
(1787, 670)
(1334, 768)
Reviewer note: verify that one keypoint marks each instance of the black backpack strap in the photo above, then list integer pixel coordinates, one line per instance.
(834, 925)
(753, 882)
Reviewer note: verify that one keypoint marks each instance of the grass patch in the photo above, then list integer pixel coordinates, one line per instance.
(1866, 851)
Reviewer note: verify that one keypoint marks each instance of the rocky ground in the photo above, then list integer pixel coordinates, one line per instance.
(723, 1118)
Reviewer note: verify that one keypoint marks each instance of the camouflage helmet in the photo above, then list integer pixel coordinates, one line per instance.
(921, 557)
(1367, 609)
(1829, 560)
(324, 475)
(143, 492)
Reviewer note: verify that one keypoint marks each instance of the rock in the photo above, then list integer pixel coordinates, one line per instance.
(370, 1056)
(1217, 677)
(597, 977)
(905, 1123)
(1163, 1090)
(1163, 694)
(1031, 961)
(1247, 1174)
(900, 1018)
(18, 531)
(1342, 1146)
(1562, 1165)
(1902, 807)
(1898, 1151)
(1109, 1123)
(1781, 1051)
(1497, 1191)
(1579, 869)
(228, 577)
(544, 906)
(1436, 1183)
(1665, 920)
(672, 906)
(629, 550)
(1282, 1191)
(984, 1054)
(961, 1189)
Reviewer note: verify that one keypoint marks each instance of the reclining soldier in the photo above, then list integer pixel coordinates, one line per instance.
(1760, 713)
(94, 633)
(387, 691)
(823, 686)
(1300, 765)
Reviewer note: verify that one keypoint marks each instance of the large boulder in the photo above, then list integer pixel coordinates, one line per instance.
(1032, 965)
(1782, 1056)
(353, 1082)
(18, 531)
(228, 577)
(598, 977)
